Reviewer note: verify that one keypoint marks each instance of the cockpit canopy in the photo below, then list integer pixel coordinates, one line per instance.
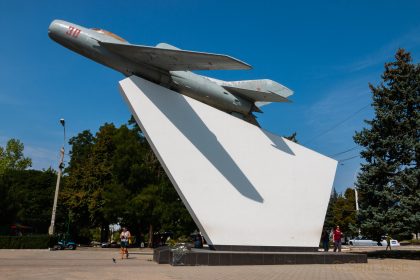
(104, 32)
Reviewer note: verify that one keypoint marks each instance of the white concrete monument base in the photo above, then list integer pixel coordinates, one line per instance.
(242, 185)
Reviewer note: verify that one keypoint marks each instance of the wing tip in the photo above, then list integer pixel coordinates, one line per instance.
(242, 65)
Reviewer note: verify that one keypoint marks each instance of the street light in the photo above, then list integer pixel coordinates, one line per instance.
(356, 196)
(57, 186)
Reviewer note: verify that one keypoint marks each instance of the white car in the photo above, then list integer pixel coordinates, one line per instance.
(363, 241)
(393, 243)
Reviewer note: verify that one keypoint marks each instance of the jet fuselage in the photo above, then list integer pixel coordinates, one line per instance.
(86, 42)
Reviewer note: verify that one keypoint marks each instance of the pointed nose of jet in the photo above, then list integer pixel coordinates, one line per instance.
(57, 29)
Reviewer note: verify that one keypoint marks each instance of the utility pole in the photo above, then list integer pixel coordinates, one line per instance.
(51, 230)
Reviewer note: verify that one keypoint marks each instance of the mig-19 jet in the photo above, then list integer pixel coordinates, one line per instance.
(171, 67)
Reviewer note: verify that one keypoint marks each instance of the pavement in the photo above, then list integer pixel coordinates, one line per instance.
(352, 249)
(376, 248)
(97, 263)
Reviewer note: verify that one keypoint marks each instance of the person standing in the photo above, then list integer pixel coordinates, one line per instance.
(124, 238)
(325, 238)
(337, 234)
(388, 242)
(198, 241)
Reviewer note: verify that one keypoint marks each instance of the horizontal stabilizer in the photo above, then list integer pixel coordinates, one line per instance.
(259, 104)
(173, 59)
(261, 91)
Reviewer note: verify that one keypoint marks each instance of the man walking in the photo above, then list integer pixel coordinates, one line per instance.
(124, 237)
(337, 234)
(388, 242)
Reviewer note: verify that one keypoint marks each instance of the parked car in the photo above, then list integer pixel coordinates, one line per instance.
(95, 244)
(363, 241)
(64, 244)
(112, 244)
(393, 242)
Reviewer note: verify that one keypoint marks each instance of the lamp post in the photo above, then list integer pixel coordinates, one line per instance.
(57, 186)
(356, 196)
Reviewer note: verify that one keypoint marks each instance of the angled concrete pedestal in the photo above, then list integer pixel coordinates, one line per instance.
(243, 186)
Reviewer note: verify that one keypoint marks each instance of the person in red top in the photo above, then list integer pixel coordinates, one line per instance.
(337, 234)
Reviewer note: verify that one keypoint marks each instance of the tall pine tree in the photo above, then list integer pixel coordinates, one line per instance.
(388, 183)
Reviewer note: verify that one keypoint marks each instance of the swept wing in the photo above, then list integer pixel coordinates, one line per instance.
(175, 59)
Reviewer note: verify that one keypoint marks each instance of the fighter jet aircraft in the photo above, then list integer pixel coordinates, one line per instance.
(171, 67)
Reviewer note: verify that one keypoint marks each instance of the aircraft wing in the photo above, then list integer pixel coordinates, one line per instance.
(174, 59)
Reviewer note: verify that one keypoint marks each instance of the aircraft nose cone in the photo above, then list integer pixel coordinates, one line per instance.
(57, 29)
(53, 29)
(66, 34)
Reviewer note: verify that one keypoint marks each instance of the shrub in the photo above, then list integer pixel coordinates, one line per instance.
(27, 242)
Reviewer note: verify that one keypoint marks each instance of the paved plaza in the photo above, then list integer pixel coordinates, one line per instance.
(97, 263)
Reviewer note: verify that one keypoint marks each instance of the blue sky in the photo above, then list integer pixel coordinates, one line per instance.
(326, 51)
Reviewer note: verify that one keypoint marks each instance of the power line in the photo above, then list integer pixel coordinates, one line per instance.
(343, 152)
(346, 151)
(338, 124)
(346, 159)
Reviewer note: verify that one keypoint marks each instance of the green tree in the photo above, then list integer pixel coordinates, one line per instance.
(26, 197)
(81, 149)
(389, 180)
(342, 212)
(89, 172)
(329, 222)
(12, 156)
(114, 177)
(75, 190)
